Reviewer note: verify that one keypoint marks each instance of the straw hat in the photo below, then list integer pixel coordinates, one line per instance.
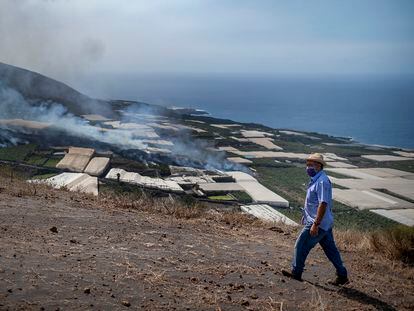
(317, 157)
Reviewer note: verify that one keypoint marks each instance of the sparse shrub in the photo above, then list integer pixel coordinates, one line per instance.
(184, 211)
(188, 200)
(395, 243)
(352, 239)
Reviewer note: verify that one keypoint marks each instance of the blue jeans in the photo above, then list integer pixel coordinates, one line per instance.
(306, 242)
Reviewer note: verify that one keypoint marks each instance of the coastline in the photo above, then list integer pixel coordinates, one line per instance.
(370, 109)
(349, 141)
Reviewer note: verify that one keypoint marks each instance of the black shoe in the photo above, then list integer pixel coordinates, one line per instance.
(291, 275)
(339, 281)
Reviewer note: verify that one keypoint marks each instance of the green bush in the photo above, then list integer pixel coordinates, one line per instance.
(16, 153)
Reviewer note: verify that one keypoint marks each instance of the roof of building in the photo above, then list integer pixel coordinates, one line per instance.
(81, 151)
(403, 216)
(220, 187)
(144, 181)
(74, 182)
(97, 166)
(267, 213)
(74, 162)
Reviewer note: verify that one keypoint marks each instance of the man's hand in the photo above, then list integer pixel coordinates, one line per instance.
(314, 230)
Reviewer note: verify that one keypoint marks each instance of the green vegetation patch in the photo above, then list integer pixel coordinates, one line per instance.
(278, 163)
(288, 181)
(338, 175)
(242, 197)
(52, 162)
(291, 145)
(36, 160)
(226, 197)
(350, 218)
(291, 183)
(44, 176)
(13, 171)
(16, 153)
(407, 165)
(115, 188)
(354, 151)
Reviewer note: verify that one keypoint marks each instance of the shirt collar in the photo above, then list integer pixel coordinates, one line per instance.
(315, 178)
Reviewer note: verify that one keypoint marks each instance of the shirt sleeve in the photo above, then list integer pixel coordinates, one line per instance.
(324, 192)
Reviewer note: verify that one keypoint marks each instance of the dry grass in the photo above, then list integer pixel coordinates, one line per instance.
(395, 243)
(352, 240)
(180, 209)
(316, 302)
(143, 202)
(17, 186)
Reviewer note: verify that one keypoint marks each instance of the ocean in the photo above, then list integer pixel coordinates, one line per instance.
(370, 109)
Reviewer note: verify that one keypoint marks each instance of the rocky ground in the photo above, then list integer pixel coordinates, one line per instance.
(61, 251)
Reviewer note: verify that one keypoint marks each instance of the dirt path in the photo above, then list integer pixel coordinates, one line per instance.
(105, 259)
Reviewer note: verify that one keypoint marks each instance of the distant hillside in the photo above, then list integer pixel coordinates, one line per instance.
(35, 86)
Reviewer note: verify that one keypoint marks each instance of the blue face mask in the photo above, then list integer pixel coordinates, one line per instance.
(310, 170)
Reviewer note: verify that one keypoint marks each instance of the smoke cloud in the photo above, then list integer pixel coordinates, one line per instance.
(185, 151)
(14, 106)
(35, 36)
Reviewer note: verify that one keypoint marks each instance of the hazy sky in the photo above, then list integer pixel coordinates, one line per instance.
(69, 37)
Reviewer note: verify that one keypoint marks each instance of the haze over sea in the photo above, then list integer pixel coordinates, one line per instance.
(370, 109)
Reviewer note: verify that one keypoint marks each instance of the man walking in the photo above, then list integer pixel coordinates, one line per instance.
(318, 221)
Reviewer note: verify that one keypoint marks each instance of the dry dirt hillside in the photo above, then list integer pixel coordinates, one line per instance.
(67, 251)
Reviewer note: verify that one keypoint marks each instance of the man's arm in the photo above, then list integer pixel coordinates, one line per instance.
(324, 192)
(320, 213)
(319, 216)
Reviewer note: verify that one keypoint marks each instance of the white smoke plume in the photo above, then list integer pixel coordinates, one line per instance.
(14, 106)
(185, 151)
